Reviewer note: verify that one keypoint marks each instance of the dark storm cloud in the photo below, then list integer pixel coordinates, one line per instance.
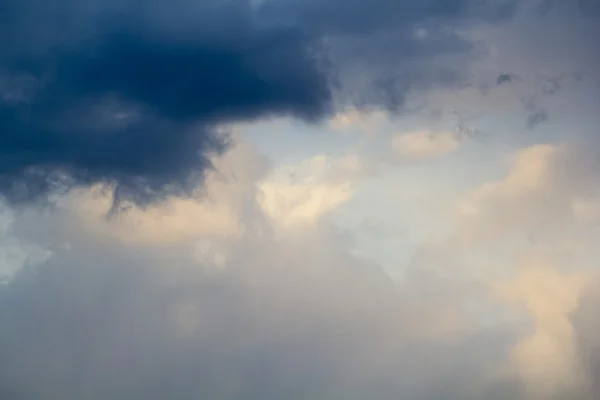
(129, 92)
(358, 16)
(134, 105)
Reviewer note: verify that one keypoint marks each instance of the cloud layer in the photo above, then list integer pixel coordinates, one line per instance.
(267, 313)
(152, 304)
(266, 280)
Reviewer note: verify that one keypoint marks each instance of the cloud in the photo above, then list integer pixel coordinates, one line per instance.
(298, 321)
(536, 117)
(530, 237)
(548, 189)
(136, 104)
(547, 357)
(505, 78)
(425, 144)
(155, 304)
(246, 287)
(352, 119)
(217, 211)
(587, 327)
(551, 58)
(106, 92)
(301, 194)
(262, 314)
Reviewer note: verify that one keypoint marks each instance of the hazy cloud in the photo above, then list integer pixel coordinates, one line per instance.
(425, 144)
(256, 315)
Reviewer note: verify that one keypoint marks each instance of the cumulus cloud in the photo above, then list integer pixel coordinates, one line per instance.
(547, 358)
(133, 99)
(548, 190)
(302, 194)
(527, 237)
(246, 287)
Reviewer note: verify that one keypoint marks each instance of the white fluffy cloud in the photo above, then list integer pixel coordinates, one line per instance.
(301, 194)
(526, 235)
(546, 357)
(549, 193)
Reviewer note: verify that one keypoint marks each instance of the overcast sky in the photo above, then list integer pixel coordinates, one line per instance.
(299, 199)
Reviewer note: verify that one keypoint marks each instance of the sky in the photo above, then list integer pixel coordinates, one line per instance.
(303, 200)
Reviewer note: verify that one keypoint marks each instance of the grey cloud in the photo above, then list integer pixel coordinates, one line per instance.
(536, 117)
(134, 105)
(300, 320)
(128, 93)
(505, 78)
(586, 323)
